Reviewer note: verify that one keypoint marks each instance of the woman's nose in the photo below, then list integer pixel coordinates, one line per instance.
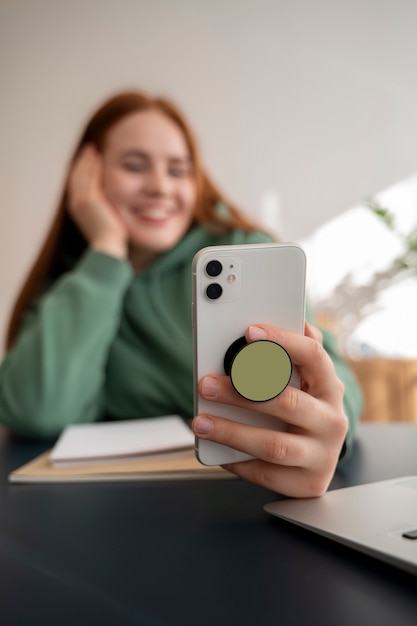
(157, 181)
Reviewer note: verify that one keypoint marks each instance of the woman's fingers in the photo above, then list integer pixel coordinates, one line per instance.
(308, 354)
(276, 447)
(293, 406)
(296, 482)
(300, 408)
(313, 332)
(291, 463)
(89, 207)
(84, 178)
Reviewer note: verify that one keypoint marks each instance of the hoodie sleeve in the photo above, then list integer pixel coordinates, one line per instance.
(54, 374)
(352, 400)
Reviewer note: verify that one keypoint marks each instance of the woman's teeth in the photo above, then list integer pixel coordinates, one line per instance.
(154, 213)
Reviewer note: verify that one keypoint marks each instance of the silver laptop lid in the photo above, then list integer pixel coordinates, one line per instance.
(379, 518)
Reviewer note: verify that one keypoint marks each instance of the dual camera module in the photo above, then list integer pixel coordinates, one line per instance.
(214, 290)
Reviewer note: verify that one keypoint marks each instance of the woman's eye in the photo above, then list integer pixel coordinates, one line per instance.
(178, 172)
(133, 167)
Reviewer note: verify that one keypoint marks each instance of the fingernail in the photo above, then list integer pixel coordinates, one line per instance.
(202, 425)
(210, 388)
(256, 333)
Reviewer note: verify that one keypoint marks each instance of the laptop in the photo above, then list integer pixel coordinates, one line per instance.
(378, 518)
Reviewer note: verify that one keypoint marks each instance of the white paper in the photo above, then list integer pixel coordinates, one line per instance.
(109, 441)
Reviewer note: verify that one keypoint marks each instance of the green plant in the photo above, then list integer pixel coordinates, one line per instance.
(408, 260)
(350, 302)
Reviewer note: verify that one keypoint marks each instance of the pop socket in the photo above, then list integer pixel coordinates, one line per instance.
(260, 370)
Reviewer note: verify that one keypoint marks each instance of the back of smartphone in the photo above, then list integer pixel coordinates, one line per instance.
(234, 287)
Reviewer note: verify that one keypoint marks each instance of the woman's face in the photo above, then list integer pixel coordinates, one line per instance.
(148, 178)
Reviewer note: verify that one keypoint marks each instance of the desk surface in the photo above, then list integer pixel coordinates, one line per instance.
(191, 553)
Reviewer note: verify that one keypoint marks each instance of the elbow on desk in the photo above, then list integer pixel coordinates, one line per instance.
(42, 419)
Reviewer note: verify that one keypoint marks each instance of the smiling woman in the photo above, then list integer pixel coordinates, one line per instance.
(102, 328)
(148, 189)
(106, 150)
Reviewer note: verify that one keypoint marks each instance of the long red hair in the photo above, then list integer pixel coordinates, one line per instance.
(64, 243)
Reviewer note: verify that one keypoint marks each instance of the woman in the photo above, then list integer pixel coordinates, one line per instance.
(102, 327)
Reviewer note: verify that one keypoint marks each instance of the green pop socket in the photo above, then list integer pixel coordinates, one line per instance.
(260, 370)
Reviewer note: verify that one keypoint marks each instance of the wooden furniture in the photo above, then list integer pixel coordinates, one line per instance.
(389, 387)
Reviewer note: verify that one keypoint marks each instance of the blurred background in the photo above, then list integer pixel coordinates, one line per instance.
(305, 110)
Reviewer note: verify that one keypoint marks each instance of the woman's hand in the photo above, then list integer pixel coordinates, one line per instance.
(301, 461)
(91, 210)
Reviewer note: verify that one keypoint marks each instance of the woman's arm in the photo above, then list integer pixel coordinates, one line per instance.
(55, 373)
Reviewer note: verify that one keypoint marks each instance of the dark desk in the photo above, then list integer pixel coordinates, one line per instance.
(191, 553)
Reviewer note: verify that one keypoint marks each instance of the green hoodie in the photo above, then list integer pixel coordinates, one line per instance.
(105, 343)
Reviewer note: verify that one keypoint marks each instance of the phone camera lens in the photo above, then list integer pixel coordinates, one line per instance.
(214, 268)
(214, 291)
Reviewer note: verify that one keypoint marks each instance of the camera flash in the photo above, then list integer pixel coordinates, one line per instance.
(231, 278)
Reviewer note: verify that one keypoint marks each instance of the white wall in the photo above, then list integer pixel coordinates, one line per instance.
(315, 100)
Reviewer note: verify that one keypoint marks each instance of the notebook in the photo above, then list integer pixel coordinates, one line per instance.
(378, 518)
(106, 442)
(41, 470)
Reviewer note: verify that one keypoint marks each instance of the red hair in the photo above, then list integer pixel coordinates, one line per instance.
(64, 243)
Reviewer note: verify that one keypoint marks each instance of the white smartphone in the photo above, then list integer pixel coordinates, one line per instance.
(234, 287)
